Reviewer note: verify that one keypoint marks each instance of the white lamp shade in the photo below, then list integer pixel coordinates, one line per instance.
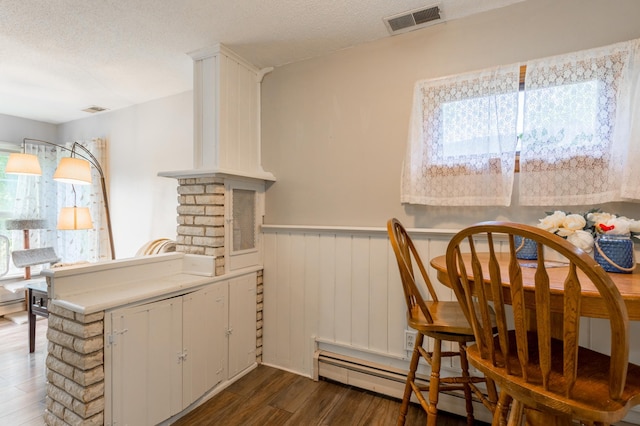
(23, 164)
(74, 218)
(73, 170)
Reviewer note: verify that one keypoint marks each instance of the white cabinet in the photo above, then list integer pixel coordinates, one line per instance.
(145, 341)
(242, 323)
(162, 356)
(204, 335)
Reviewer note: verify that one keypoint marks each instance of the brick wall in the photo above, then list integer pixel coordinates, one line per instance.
(201, 218)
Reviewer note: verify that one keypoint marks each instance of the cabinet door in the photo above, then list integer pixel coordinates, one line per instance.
(146, 362)
(204, 340)
(242, 323)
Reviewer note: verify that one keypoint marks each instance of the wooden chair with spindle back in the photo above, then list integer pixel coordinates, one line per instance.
(549, 378)
(440, 320)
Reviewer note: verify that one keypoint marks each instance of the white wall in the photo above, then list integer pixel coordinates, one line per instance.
(334, 128)
(143, 140)
(14, 129)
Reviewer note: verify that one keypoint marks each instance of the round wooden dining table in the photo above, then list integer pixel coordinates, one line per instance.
(591, 306)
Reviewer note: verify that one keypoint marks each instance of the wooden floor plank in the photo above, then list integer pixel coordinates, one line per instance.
(384, 412)
(319, 403)
(294, 396)
(214, 411)
(350, 409)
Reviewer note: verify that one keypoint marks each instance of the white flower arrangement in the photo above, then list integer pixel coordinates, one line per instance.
(610, 224)
(581, 229)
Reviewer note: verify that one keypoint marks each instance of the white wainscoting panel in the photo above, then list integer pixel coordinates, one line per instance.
(338, 289)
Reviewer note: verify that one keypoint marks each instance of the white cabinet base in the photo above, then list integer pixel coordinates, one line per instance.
(164, 358)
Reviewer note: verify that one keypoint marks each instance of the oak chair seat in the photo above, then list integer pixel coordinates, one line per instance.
(543, 379)
(592, 382)
(447, 318)
(442, 321)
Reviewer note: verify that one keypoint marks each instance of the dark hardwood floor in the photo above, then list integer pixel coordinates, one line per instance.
(269, 396)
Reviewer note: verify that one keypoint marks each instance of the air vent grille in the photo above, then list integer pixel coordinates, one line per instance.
(413, 19)
(93, 109)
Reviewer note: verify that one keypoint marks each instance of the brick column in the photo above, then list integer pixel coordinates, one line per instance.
(75, 368)
(201, 218)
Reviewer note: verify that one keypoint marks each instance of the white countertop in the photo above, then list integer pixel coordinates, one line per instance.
(102, 299)
(101, 286)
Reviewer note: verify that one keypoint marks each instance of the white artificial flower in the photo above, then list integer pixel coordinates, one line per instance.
(620, 226)
(582, 240)
(574, 222)
(552, 222)
(565, 232)
(571, 224)
(634, 225)
(600, 218)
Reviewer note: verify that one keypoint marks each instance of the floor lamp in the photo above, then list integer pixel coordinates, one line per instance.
(70, 170)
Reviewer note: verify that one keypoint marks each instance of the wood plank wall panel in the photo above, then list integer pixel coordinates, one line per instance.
(338, 287)
(342, 287)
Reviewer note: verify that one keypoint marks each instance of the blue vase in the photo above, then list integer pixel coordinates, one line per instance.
(527, 249)
(615, 253)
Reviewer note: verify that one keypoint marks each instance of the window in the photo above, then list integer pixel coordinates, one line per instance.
(462, 142)
(467, 129)
(570, 118)
(8, 185)
(574, 139)
(40, 197)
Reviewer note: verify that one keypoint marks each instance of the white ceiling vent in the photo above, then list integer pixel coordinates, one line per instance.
(414, 19)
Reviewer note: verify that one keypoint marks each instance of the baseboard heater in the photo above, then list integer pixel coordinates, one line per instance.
(385, 380)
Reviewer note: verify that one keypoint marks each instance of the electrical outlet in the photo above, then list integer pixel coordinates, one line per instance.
(409, 340)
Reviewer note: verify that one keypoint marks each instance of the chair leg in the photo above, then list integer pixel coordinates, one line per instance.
(516, 416)
(492, 393)
(434, 383)
(411, 376)
(502, 409)
(464, 364)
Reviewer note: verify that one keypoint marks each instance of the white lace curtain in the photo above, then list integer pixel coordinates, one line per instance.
(42, 198)
(580, 143)
(462, 140)
(578, 138)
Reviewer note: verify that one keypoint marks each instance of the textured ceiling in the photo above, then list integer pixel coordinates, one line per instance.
(58, 57)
